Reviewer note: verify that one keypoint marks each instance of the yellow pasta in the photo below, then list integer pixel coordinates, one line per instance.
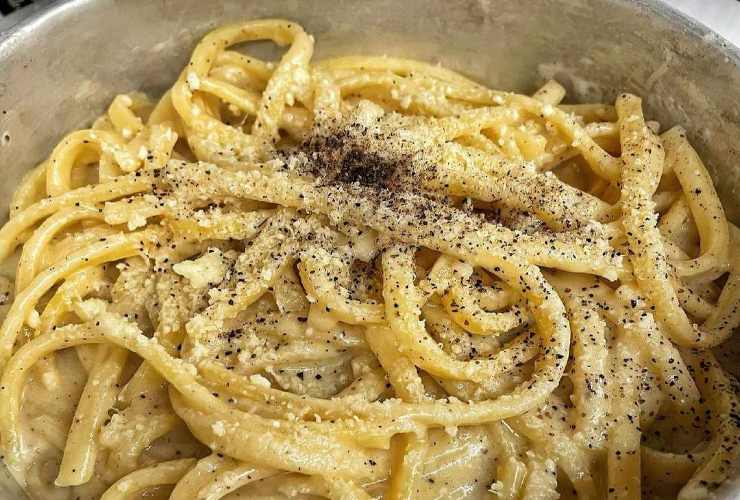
(366, 277)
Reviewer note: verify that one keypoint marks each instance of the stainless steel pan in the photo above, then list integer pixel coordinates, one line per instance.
(60, 67)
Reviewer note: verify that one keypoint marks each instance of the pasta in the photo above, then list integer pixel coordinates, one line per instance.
(366, 277)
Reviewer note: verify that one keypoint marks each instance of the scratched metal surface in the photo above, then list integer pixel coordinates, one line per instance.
(61, 65)
(723, 16)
